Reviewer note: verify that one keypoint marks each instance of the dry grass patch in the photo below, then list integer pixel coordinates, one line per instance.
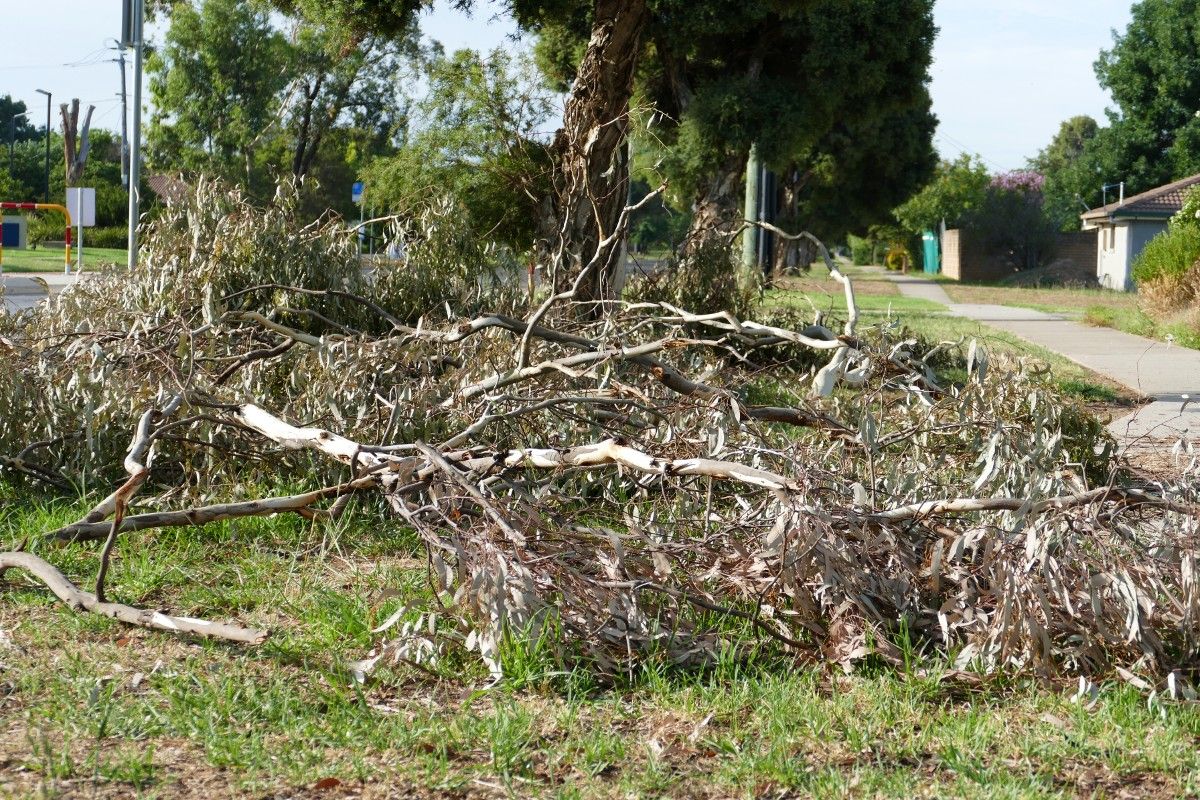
(1044, 299)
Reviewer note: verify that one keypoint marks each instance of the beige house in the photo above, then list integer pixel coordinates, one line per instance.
(1124, 227)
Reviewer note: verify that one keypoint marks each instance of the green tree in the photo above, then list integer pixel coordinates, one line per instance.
(357, 20)
(858, 172)
(216, 85)
(1068, 167)
(958, 189)
(474, 139)
(719, 75)
(795, 78)
(1153, 73)
(25, 130)
(336, 85)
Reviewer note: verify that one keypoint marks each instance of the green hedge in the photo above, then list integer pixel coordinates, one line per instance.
(114, 238)
(1169, 254)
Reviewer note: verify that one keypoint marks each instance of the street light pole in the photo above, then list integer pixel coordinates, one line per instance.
(43, 91)
(136, 25)
(12, 138)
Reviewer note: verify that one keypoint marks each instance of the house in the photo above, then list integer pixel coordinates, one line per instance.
(1124, 227)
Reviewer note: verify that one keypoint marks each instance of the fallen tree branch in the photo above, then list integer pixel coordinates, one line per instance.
(194, 517)
(79, 600)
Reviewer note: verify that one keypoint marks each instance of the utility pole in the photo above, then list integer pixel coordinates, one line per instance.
(135, 13)
(124, 123)
(750, 214)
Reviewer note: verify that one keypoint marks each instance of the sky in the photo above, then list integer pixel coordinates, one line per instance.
(1005, 72)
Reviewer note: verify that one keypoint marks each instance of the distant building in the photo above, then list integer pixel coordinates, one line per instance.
(1123, 228)
(170, 189)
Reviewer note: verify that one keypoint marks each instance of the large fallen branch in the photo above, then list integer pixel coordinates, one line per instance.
(648, 486)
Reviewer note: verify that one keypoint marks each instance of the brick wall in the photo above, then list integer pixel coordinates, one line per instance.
(1079, 247)
(965, 259)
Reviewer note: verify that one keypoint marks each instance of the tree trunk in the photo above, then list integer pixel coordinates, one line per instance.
(591, 172)
(717, 209)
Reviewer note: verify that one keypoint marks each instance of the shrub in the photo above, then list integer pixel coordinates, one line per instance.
(47, 226)
(1168, 255)
(703, 280)
(1013, 220)
(861, 250)
(113, 238)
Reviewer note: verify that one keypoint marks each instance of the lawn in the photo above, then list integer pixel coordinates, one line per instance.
(51, 260)
(878, 306)
(93, 708)
(1100, 307)
(1072, 302)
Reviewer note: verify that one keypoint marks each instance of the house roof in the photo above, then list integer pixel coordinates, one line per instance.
(1161, 203)
(170, 188)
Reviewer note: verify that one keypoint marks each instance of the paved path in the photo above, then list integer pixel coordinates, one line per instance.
(1161, 371)
(27, 289)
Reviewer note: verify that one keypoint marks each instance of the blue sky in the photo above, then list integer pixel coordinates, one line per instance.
(1005, 73)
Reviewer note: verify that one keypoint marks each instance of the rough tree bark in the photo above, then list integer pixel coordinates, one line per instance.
(76, 144)
(591, 174)
(717, 208)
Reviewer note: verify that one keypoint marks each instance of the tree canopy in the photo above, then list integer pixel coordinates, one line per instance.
(473, 139)
(213, 99)
(328, 104)
(1068, 165)
(958, 188)
(23, 128)
(833, 92)
(1152, 137)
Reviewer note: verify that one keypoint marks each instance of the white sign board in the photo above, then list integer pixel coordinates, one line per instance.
(82, 205)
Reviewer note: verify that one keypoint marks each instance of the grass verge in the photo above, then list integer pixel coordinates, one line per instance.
(1134, 320)
(50, 260)
(934, 324)
(1051, 300)
(92, 708)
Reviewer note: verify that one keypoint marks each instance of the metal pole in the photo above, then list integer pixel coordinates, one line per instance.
(43, 91)
(12, 138)
(751, 234)
(135, 151)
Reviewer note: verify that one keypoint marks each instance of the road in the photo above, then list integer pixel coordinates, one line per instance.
(27, 289)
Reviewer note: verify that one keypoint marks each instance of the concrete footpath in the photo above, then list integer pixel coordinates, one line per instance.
(1166, 373)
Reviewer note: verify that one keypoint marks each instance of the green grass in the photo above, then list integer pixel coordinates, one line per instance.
(94, 708)
(1053, 300)
(934, 324)
(1137, 322)
(51, 260)
(834, 302)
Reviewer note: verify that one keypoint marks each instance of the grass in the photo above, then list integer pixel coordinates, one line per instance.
(1099, 307)
(1134, 320)
(51, 260)
(1051, 300)
(934, 324)
(90, 707)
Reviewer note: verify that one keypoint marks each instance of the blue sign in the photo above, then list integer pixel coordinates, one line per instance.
(356, 192)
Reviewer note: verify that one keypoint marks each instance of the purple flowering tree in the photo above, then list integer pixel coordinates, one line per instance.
(1013, 219)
